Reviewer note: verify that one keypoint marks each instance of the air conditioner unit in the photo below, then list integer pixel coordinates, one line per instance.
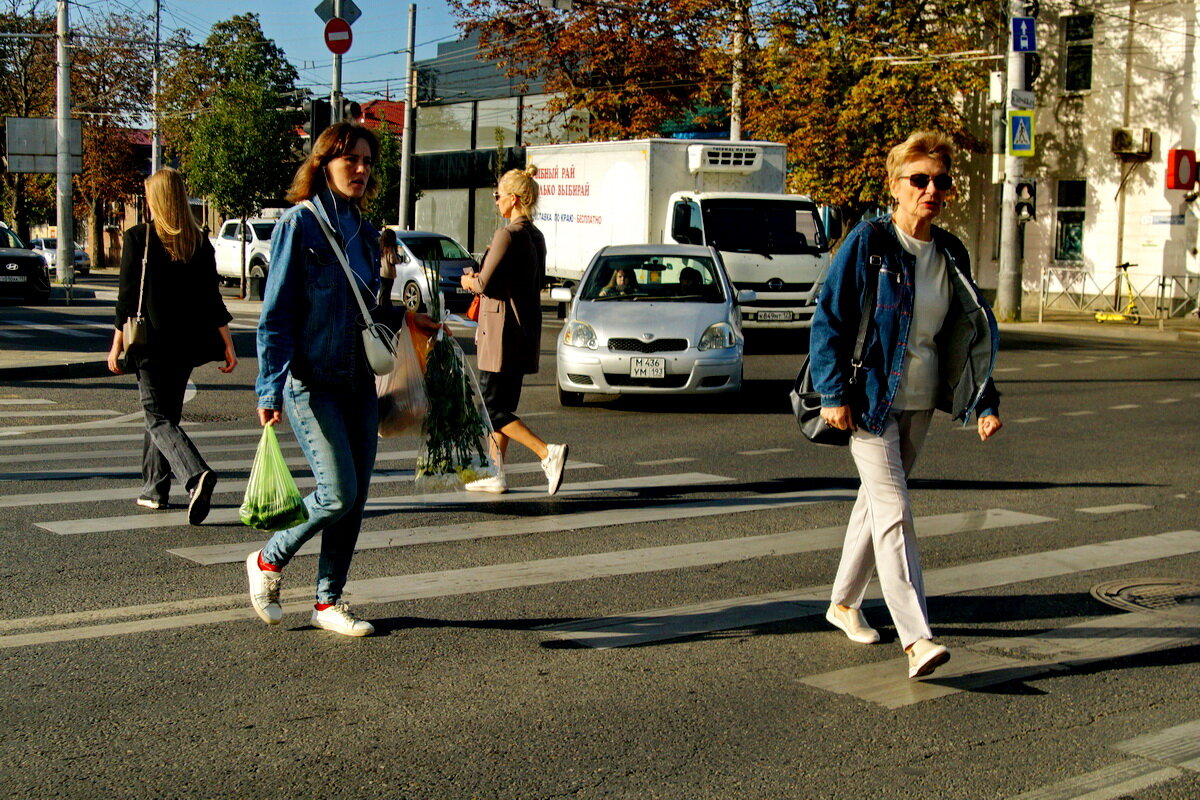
(739, 158)
(1125, 142)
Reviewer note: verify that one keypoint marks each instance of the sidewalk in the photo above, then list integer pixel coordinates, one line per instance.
(34, 364)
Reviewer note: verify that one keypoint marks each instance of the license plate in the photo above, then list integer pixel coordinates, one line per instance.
(640, 367)
(774, 316)
(12, 278)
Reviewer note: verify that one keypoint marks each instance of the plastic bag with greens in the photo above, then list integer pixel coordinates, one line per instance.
(273, 501)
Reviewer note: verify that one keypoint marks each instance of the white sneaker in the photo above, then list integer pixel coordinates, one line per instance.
(264, 590)
(495, 484)
(340, 619)
(553, 464)
(852, 623)
(924, 657)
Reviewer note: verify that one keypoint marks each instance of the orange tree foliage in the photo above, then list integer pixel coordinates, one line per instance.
(632, 68)
(832, 85)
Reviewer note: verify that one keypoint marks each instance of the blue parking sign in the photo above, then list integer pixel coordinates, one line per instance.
(1024, 35)
(1020, 133)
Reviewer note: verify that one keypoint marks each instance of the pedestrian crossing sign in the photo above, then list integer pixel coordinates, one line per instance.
(1020, 133)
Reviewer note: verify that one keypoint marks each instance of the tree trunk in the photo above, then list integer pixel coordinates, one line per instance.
(96, 231)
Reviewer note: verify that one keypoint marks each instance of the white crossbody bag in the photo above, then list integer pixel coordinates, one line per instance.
(378, 339)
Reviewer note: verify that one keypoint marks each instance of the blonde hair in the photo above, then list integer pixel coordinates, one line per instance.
(920, 144)
(172, 214)
(520, 184)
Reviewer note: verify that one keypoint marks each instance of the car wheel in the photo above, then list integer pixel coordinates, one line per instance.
(569, 399)
(410, 296)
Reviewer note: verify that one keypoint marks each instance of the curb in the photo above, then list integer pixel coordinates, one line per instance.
(37, 372)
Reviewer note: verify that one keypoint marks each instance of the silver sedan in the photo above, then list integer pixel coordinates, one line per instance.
(651, 319)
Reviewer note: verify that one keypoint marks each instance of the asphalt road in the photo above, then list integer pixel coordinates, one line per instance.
(134, 668)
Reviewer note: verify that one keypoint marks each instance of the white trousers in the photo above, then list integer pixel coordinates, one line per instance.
(880, 536)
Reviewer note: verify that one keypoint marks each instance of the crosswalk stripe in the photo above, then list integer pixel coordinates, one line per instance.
(671, 623)
(974, 667)
(78, 441)
(1120, 508)
(664, 461)
(1106, 783)
(549, 523)
(60, 329)
(92, 456)
(1179, 745)
(59, 412)
(33, 402)
(229, 515)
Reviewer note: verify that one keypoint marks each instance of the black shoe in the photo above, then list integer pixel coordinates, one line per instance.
(201, 497)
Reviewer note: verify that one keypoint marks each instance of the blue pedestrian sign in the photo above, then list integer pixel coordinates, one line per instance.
(1020, 133)
(1024, 35)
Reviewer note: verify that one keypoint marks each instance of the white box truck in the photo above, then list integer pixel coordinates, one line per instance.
(650, 191)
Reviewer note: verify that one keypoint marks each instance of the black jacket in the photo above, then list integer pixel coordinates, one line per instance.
(182, 304)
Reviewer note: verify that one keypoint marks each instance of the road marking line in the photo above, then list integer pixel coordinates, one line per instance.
(672, 623)
(91, 456)
(1048, 366)
(58, 412)
(551, 523)
(1117, 509)
(36, 402)
(229, 514)
(76, 441)
(1167, 400)
(1007, 369)
(1179, 745)
(61, 329)
(1084, 413)
(1107, 783)
(1029, 419)
(664, 461)
(1084, 361)
(768, 451)
(1125, 407)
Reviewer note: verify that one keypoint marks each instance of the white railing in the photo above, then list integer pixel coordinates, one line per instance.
(1075, 289)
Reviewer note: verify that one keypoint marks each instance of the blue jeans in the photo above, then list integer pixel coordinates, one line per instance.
(165, 447)
(338, 432)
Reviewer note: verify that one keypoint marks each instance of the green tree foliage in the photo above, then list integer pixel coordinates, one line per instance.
(630, 67)
(841, 83)
(385, 206)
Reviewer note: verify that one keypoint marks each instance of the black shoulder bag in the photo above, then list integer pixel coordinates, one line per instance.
(806, 402)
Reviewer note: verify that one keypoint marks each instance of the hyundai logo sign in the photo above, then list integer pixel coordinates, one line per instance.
(775, 284)
(13, 267)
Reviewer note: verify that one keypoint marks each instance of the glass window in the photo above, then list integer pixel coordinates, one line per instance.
(441, 128)
(230, 232)
(487, 219)
(1069, 216)
(444, 211)
(1078, 32)
(762, 226)
(540, 126)
(654, 278)
(263, 230)
(438, 248)
(10, 239)
(496, 123)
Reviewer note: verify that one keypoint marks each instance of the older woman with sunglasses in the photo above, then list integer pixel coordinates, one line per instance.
(931, 343)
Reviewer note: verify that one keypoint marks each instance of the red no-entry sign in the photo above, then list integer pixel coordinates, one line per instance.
(338, 36)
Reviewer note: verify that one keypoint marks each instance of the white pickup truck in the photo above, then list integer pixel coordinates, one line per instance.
(228, 245)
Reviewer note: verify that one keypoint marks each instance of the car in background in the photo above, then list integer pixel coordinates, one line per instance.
(23, 273)
(228, 246)
(47, 248)
(420, 251)
(674, 327)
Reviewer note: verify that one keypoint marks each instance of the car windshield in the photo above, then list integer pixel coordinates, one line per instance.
(763, 226)
(649, 277)
(9, 239)
(262, 230)
(48, 244)
(430, 248)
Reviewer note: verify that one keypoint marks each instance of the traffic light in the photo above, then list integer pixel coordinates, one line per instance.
(317, 116)
(1032, 69)
(1026, 201)
(351, 111)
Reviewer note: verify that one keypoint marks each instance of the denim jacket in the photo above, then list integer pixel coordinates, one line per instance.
(966, 344)
(310, 324)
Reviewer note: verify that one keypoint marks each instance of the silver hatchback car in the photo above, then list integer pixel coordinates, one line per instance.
(651, 319)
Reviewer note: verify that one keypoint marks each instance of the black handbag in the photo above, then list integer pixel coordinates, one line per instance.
(806, 402)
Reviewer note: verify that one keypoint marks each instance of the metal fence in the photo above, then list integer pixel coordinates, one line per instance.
(1075, 289)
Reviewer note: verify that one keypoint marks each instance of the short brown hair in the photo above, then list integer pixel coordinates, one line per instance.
(335, 141)
(931, 144)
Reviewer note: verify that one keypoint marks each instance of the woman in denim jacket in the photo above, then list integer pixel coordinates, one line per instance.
(932, 344)
(311, 362)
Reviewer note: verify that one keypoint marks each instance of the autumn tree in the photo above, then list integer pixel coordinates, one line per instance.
(841, 83)
(26, 90)
(631, 68)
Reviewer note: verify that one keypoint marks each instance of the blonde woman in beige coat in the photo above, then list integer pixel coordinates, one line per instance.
(508, 339)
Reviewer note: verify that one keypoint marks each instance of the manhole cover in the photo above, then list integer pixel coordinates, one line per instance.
(1165, 595)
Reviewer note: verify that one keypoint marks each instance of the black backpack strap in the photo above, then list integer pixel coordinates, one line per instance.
(875, 247)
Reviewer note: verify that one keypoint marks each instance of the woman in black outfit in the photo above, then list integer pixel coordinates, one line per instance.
(188, 326)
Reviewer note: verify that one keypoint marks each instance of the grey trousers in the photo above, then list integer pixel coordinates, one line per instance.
(165, 447)
(880, 536)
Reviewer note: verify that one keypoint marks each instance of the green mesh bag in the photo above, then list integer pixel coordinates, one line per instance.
(273, 501)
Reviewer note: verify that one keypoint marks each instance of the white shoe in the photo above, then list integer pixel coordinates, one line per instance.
(495, 484)
(264, 590)
(553, 464)
(852, 623)
(340, 619)
(924, 657)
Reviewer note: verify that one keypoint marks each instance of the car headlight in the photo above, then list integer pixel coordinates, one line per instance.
(579, 334)
(718, 336)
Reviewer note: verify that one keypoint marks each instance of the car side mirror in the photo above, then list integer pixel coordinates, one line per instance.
(561, 294)
(404, 258)
(746, 296)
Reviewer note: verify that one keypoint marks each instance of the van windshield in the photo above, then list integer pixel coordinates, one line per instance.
(763, 226)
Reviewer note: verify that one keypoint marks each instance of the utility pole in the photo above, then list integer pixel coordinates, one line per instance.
(1008, 291)
(410, 111)
(335, 94)
(156, 138)
(739, 56)
(66, 222)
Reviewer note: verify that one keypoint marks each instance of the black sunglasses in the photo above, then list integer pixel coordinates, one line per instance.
(919, 180)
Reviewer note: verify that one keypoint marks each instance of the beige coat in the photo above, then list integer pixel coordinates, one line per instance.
(510, 311)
